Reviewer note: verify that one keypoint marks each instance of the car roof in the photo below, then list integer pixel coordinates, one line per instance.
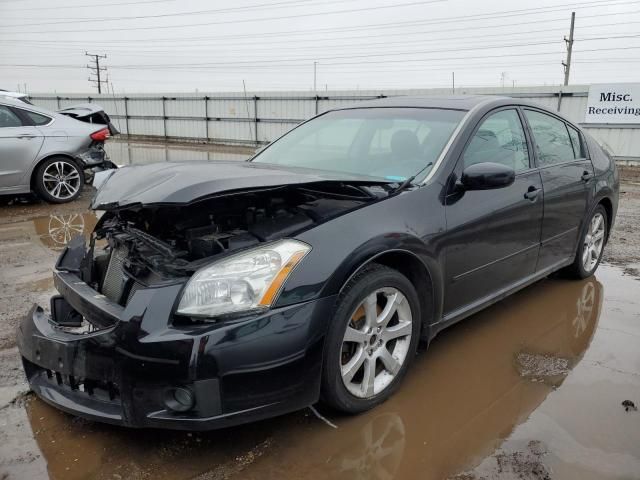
(456, 102)
(14, 102)
(7, 93)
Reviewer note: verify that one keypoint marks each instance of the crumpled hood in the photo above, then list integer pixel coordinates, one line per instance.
(182, 183)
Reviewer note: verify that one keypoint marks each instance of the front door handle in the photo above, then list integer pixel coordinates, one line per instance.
(586, 176)
(532, 193)
(28, 136)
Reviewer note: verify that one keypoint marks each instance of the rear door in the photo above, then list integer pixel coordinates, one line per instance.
(20, 143)
(493, 236)
(566, 178)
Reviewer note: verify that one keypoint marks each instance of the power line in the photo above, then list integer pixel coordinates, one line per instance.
(484, 16)
(377, 26)
(260, 6)
(90, 5)
(244, 20)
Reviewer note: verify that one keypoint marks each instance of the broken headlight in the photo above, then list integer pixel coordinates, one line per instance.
(245, 281)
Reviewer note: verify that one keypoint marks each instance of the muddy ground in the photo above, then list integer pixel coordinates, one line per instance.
(530, 388)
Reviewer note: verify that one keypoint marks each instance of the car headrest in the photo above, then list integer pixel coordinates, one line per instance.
(405, 145)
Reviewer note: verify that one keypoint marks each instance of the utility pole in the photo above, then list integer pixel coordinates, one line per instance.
(315, 64)
(96, 70)
(569, 42)
(453, 82)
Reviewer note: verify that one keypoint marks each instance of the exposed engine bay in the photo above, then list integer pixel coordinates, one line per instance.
(139, 246)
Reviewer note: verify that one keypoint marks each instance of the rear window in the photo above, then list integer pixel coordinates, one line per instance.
(551, 138)
(37, 118)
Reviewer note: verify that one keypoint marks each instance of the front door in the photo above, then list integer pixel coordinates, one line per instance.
(493, 235)
(566, 179)
(19, 146)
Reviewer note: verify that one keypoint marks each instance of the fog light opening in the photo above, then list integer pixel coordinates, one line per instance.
(179, 399)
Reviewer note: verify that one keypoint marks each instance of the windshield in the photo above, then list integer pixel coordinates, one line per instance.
(392, 143)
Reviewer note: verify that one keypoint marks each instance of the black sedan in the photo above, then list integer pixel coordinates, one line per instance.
(212, 294)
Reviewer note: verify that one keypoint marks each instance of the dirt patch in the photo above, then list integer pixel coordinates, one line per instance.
(538, 366)
(507, 465)
(623, 247)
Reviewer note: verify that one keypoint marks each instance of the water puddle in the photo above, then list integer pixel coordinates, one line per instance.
(530, 386)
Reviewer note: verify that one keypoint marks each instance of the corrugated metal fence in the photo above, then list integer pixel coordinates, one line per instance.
(261, 117)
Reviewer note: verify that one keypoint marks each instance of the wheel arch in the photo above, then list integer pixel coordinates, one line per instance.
(415, 269)
(608, 208)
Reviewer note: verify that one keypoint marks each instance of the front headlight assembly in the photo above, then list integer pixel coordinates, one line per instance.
(246, 281)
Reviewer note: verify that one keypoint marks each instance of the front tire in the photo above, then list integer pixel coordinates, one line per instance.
(371, 341)
(591, 246)
(58, 180)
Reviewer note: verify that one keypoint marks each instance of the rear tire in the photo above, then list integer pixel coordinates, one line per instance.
(58, 180)
(591, 247)
(371, 341)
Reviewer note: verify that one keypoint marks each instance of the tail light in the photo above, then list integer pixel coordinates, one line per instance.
(100, 135)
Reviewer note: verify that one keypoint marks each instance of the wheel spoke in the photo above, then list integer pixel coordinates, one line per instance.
(401, 330)
(353, 335)
(597, 221)
(71, 188)
(390, 363)
(371, 314)
(369, 378)
(390, 309)
(585, 256)
(56, 190)
(73, 175)
(598, 235)
(353, 365)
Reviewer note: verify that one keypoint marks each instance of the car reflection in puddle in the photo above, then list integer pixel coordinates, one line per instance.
(464, 397)
(460, 400)
(55, 231)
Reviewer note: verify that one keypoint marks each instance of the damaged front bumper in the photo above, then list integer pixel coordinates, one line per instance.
(128, 370)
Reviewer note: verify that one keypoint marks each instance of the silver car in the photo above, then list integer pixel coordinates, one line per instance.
(46, 152)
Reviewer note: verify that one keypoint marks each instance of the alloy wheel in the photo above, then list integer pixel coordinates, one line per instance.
(61, 180)
(593, 242)
(376, 342)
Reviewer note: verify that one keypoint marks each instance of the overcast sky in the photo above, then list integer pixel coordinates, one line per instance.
(184, 45)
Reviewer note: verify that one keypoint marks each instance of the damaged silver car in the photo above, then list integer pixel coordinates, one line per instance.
(49, 153)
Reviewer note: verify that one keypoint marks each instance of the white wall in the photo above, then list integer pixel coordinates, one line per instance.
(232, 116)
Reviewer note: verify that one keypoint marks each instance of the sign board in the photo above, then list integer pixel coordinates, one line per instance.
(613, 103)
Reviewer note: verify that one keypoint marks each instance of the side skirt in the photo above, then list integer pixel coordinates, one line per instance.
(482, 303)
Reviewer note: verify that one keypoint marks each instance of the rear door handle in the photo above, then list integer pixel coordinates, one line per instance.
(585, 176)
(532, 193)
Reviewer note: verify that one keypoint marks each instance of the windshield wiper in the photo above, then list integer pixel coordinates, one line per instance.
(405, 183)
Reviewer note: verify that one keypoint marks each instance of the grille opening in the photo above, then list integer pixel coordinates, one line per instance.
(95, 388)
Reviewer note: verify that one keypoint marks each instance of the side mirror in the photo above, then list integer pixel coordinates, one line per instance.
(487, 176)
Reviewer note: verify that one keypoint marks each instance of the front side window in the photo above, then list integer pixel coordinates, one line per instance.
(391, 143)
(551, 138)
(36, 118)
(499, 139)
(8, 118)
